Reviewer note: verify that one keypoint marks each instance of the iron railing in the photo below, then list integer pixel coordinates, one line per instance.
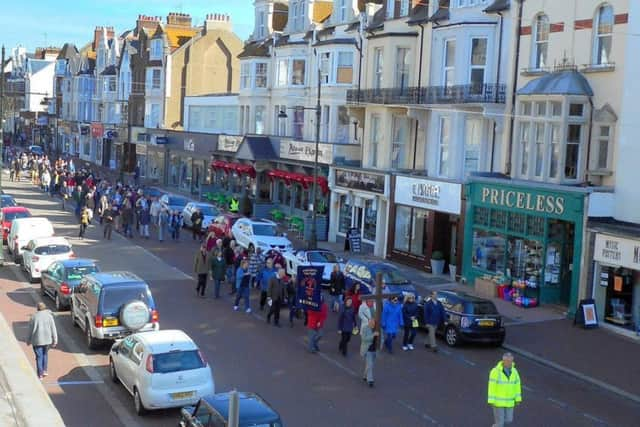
(458, 94)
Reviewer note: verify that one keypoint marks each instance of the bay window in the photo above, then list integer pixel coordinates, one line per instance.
(402, 68)
(245, 76)
(449, 70)
(344, 68)
(378, 68)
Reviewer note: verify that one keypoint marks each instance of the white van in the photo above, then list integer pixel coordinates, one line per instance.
(23, 230)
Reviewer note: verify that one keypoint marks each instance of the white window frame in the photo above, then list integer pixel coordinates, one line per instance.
(155, 86)
(402, 70)
(536, 63)
(446, 67)
(325, 67)
(444, 123)
(482, 67)
(245, 75)
(261, 75)
(282, 72)
(599, 139)
(596, 55)
(259, 115)
(375, 137)
(400, 162)
(261, 24)
(378, 70)
(337, 66)
(156, 49)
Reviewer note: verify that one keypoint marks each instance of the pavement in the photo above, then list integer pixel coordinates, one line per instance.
(412, 389)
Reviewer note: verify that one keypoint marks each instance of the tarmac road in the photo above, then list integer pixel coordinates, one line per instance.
(416, 388)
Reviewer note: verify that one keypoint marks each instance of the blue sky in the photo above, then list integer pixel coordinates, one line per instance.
(26, 22)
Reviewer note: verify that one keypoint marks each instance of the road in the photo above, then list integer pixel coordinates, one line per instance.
(416, 388)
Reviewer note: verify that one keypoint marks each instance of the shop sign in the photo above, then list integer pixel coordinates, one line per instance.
(84, 130)
(306, 151)
(617, 251)
(111, 134)
(162, 140)
(360, 181)
(427, 194)
(97, 130)
(189, 145)
(42, 120)
(229, 142)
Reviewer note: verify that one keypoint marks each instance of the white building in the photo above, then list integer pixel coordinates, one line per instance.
(39, 83)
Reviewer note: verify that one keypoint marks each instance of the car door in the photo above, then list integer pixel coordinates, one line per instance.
(49, 278)
(186, 214)
(27, 255)
(121, 361)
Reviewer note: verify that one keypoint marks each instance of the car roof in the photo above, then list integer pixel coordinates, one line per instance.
(253, 408)
(117, 277)
(77, 262)
(166, 340)
(55, 240)
(33, 219)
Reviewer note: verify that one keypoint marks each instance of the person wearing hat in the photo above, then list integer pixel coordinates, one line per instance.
(42, 335)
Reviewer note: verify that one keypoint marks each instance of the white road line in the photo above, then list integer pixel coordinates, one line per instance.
(594, 418)
(558, 402)
(418, 413)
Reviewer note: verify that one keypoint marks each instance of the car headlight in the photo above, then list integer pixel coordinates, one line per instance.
(465, 322)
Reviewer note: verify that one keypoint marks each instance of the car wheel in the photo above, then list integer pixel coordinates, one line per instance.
(112, 372)
(137, 403)
(451, 336)
(91, 342)
(57, 302)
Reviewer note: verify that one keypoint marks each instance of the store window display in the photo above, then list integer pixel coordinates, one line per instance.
(488, 251)
(345, 214)
(411, 230)
(370, 221)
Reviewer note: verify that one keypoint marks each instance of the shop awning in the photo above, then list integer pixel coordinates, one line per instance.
(305, 180)
(239, 168)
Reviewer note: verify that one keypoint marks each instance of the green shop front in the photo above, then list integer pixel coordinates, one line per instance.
(526, 238)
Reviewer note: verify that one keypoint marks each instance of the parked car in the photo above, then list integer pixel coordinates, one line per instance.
(36, 149)
(364, 272)
(213, 411)
(23, 230)
(59, 280)
(7, 201)
(209, 212)
(259, 233)
(221, 225)
(40, 253)
(173, 202)
(8, 214)
(318, 257)
(161, 369)
(469, 319)
(112, 305)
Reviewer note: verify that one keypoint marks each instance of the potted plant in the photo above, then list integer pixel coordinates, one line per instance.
(453, 268)
(437, 262)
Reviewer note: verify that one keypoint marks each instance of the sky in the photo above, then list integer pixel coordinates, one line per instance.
(36, 23)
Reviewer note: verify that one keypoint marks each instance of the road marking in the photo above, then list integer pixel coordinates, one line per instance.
(594, 418)
(417, 412)
(558, 402)
(458, 357)
(64, 383)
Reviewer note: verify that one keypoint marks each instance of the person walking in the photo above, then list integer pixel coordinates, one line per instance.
(229, 259)
(196, 224)
(346, 325)
(144, 218)
(243, 289)
(84, 221)
(410, 320)
(46, 180)
(315, 325)
(369, 349)
(218, 271)
(366, 311)
(392, 321)
(336, 287)
(107, 222)
(102, 207)
(276, 295)
(175, 224)
(505, 390)
(155, 211)
(42, 335)
(201, 265)
(292, 298)
(354, 294)
(127, 218)
(163, 220)
(267, 273)
(434, 316)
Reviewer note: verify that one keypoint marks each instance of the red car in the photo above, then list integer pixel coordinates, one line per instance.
(221, 225)
(8, 214)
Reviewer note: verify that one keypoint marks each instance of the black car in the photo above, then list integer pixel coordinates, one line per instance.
(468, 319)
(61, 277)
(213, 411)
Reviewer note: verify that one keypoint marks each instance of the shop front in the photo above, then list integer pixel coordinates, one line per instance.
(360, 200)
(425, 220)
(526, 239)
(616, 280)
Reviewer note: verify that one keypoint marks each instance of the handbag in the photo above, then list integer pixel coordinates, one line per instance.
(415, 323)
(355, 331)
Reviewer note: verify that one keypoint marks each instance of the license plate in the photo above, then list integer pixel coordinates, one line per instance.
(486, 323)
(183, 395)
(109, 322)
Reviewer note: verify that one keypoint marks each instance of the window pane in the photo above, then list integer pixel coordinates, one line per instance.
(604, 131)
(419, 231)
(539, 127)
(472, 146)
(542, 28)
(478, 51)
(444, 147)
(572, 151)
(403, 228)
(556, 109)
(488, 251)
(345, 68)
(450, 58)
(379, 68)
(525, 108)
(261, 75)
(604, 49)
(283, 72)
(477, 80)
(541, 108)
(400, 136)
(555, 151)
(525, 259)
(370, 220)
(524, 147)
(576, 110)
(297, 76)
(603, 153)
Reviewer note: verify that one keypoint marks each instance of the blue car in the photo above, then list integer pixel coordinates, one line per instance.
(364, 273)
(61, 277)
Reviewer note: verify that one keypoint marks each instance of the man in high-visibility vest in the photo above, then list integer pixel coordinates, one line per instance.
(504, 390)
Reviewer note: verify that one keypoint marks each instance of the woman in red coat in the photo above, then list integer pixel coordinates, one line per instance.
(354, 294)
(315, 324)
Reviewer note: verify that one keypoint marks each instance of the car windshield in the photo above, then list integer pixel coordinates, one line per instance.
(10, 216)
(176, 361)
(264, 230)
(76, 273)
(480, 308)
(325, 257)
(178, 201)
(207, 210)
(393, 276)
(113, 299)
(52, 249)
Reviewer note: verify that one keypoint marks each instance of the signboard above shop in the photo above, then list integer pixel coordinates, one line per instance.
(617, 251)
(359, 180)
(229, 143)
(428, 194)
(306, 151)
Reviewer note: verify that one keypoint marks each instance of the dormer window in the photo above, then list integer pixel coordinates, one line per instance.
(261, 25)
(397, 9)
(342, 10)
(297, 15)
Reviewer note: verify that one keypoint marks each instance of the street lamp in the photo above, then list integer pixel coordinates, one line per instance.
(313, 239)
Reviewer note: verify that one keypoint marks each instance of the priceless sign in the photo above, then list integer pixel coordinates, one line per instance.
(309, 280)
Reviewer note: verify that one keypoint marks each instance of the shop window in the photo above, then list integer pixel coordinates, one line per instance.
(370, 221)
(345, 214)
(552, 266)
(418, 231)
(535, 225)
(411, 230)
(403, 228)
(481, 216)
(488, 251)
(525, 260)
(516, 223)
(498, 218)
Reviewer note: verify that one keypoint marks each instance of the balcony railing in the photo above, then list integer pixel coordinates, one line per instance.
(459, 94)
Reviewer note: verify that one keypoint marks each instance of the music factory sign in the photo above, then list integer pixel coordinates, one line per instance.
(427, 194)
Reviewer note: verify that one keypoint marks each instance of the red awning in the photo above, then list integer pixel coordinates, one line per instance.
(237, 167)
(305, 180)
(219, 164)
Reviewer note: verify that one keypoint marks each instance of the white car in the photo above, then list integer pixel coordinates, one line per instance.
(40, 253)
(318, 257)
(25, 229)
(209, 212)
(259, 233)
(161, 369)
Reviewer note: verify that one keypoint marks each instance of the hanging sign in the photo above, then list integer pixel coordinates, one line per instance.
(309, 280)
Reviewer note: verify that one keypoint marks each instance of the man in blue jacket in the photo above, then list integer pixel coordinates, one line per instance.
(434, 316)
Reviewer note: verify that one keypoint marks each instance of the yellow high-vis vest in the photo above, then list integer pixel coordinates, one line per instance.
(504, 392)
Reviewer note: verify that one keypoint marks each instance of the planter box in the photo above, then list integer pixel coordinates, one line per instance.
(485, 288)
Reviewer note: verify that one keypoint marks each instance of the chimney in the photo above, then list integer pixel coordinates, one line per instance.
(179, 19)
(147, 22)
(218, 21)
(97, 36)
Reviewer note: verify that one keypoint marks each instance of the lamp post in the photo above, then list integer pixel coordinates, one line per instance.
(313, 238)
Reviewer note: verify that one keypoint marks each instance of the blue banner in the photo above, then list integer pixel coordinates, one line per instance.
(309, 280)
